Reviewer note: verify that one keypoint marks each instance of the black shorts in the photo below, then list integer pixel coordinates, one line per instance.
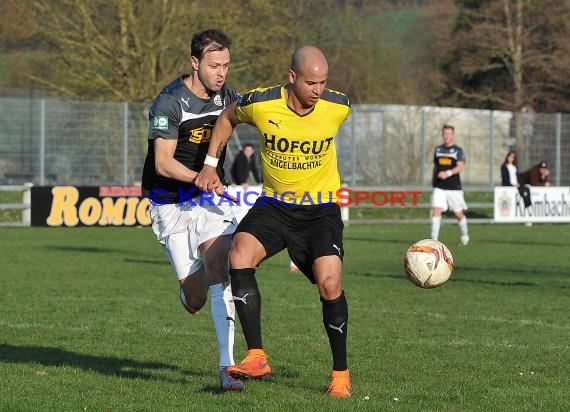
(308, 232)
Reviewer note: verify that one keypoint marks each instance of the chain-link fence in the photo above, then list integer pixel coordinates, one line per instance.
(65, 142)
(54, 142)
(394, 145)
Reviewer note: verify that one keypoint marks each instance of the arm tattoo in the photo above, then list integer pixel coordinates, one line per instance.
(220, 149)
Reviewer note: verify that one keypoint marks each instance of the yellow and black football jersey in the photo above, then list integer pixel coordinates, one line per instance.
(298, 152)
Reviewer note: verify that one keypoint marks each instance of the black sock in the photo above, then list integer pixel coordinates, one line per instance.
(247, 301)
(335, 319)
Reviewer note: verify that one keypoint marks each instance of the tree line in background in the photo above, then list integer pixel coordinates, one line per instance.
(487, 54)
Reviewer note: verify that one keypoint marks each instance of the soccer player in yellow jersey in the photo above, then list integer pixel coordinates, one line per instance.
(297, 210)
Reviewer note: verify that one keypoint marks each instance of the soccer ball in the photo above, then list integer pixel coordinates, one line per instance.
(428, 263)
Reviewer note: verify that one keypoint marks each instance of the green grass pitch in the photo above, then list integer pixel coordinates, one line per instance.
(90, 320)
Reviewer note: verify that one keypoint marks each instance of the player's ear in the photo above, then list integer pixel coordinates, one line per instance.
(292, 76)
(195, 62)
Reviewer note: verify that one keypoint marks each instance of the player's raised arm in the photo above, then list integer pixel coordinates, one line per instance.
(208, 179)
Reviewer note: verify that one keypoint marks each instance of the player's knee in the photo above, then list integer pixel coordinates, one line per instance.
(238, 259)
(198, 302)
(193, 302)
(330, 288)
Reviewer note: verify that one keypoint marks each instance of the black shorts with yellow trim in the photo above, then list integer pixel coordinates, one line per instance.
(307, 231)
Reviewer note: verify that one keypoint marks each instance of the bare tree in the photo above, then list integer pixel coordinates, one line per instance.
(505, 54)
(116, 49)
(125, 50)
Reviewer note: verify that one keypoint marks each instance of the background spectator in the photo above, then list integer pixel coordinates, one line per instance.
(243, 164)
(509, 170)
(535, 176)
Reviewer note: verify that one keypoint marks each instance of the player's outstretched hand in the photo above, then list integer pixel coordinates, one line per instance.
(208, 180)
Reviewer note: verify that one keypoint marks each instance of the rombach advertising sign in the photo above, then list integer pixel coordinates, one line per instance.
(547, 205)
(89, 206)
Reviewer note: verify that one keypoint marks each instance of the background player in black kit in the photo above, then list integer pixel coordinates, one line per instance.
(196, 235)
(449, 160)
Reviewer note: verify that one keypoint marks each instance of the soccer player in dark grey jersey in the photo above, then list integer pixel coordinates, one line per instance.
(449, 160)
(195, 232)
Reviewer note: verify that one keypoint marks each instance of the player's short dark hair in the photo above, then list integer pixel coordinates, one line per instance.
(207, 41)
(448, 126)
(248, 145)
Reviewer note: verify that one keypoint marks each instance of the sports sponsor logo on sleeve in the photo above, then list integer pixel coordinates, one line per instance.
(160, 122)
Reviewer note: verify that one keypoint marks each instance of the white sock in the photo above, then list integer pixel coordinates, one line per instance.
(463, 226)
(223, 315)
(435, 225)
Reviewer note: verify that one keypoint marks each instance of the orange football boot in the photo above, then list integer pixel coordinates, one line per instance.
(254, 366)
(340, 386)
